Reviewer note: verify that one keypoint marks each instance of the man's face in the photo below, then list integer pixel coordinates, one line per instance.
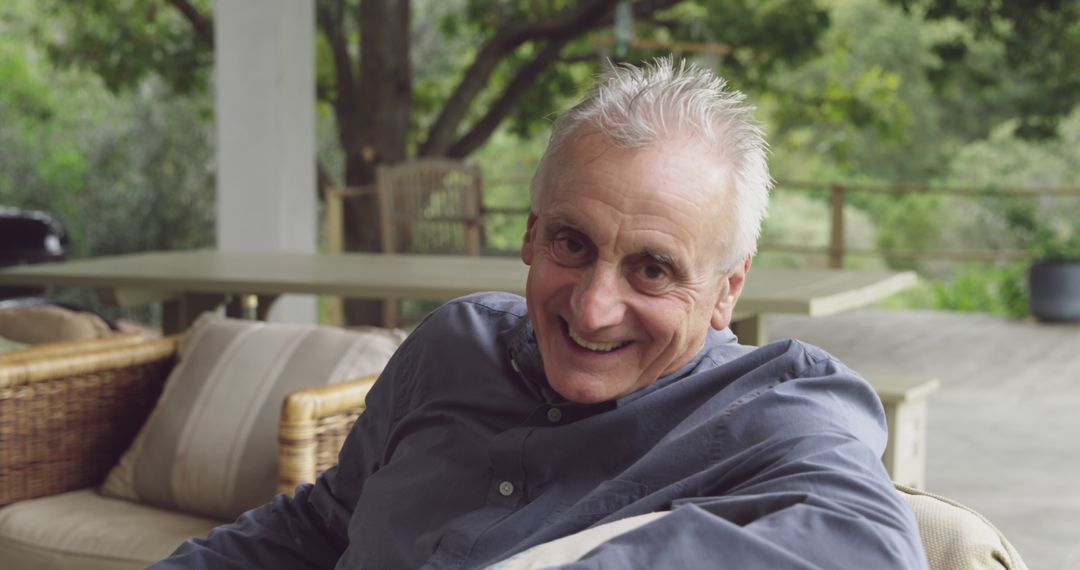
(624, 253)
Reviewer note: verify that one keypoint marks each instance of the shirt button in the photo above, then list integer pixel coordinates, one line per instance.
(554, 415)
(506, 488)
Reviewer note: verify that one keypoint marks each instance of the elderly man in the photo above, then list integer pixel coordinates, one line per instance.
(614, 389)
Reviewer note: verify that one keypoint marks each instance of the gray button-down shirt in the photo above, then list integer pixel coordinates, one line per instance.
(769, 458)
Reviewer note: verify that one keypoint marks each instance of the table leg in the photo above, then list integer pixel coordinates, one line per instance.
(905, 402)
(750, 329)
(249, 306)
(178, 313)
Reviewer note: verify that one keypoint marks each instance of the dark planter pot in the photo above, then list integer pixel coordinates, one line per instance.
(1055, 290)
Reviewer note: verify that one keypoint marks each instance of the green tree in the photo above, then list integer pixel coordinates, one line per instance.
(1038, 82)
(1047, 225)
(123, 173)
(507, 60)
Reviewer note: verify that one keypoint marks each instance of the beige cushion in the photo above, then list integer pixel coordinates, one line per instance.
(958, 538)
(40, 324)
(954, 537)
(210, 445)
(7, 345)
(571, 548)
(84, 530)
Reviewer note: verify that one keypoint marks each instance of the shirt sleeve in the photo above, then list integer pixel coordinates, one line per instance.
(802, 486)
(285, 533)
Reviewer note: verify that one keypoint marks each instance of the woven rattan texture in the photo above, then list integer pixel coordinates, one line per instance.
(302, 459)
(65, 434)
(330, 434)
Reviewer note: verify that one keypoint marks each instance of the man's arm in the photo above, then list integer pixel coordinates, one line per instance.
(801, 486)
(764, 530)
(299, 532)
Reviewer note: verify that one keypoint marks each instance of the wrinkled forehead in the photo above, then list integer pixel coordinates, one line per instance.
(588, 156)
(578, 154)
(680, 180)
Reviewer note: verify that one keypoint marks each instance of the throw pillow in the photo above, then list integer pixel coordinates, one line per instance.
(210, 445)
(39, 324)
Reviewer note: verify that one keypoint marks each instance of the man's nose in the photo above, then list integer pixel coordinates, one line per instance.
(598, 300)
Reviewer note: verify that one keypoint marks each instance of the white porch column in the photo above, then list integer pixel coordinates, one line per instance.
(265, 97)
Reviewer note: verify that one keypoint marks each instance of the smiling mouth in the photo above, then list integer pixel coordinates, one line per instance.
(595, 346)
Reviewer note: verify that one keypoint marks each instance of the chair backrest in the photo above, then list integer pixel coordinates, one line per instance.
(430, 206)
(956, 537)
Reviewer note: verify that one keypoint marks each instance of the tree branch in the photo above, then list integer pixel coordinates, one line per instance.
(644, 9)
(331, 21)
(580, 58)
(486, 125)
(505, 103)
(204, 27)
(503, 43)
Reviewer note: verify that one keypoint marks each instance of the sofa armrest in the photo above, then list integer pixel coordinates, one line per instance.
(57, 349)
(314, 425)
(957, 537)
(69, 410)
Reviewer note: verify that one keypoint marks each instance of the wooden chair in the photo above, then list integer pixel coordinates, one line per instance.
(429, 206)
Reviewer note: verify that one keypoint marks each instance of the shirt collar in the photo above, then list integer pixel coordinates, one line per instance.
(524, 355)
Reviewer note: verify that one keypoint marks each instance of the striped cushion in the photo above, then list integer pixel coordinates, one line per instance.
(210, 445)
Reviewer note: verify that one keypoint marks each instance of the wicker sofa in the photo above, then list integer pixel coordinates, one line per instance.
(67, 413)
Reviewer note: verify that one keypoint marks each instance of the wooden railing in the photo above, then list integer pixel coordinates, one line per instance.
(837, 248)
(839, 196)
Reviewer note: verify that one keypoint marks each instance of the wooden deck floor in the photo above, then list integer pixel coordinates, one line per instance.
(1004, 431)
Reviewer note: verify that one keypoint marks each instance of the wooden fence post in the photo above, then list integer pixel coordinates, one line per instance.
(836, 239)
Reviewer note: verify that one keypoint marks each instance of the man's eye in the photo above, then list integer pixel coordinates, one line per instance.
(653, 272)
(573, 245)
(570, 250)
(652, 278)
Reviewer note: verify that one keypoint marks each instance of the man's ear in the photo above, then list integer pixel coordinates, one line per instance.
(729, 295)
(528, 240)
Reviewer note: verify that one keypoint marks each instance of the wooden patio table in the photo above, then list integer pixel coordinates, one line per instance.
(189, 282)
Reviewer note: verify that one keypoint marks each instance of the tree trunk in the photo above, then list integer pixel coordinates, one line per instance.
(374, 127)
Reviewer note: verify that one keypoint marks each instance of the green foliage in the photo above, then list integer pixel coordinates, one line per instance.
(764, 36)
(947, 92)
(799, 218)
(925, 126)
(864, 103)
(125, 41)
(1048, 226)
(909, 222)
(1040, 41)
(995, 290)
(127, 172)
(557, 88)
(1048, 238)
(863, 113)
(507, 163)
(123, 173)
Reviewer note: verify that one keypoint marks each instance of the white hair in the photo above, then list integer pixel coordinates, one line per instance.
(636, 107)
